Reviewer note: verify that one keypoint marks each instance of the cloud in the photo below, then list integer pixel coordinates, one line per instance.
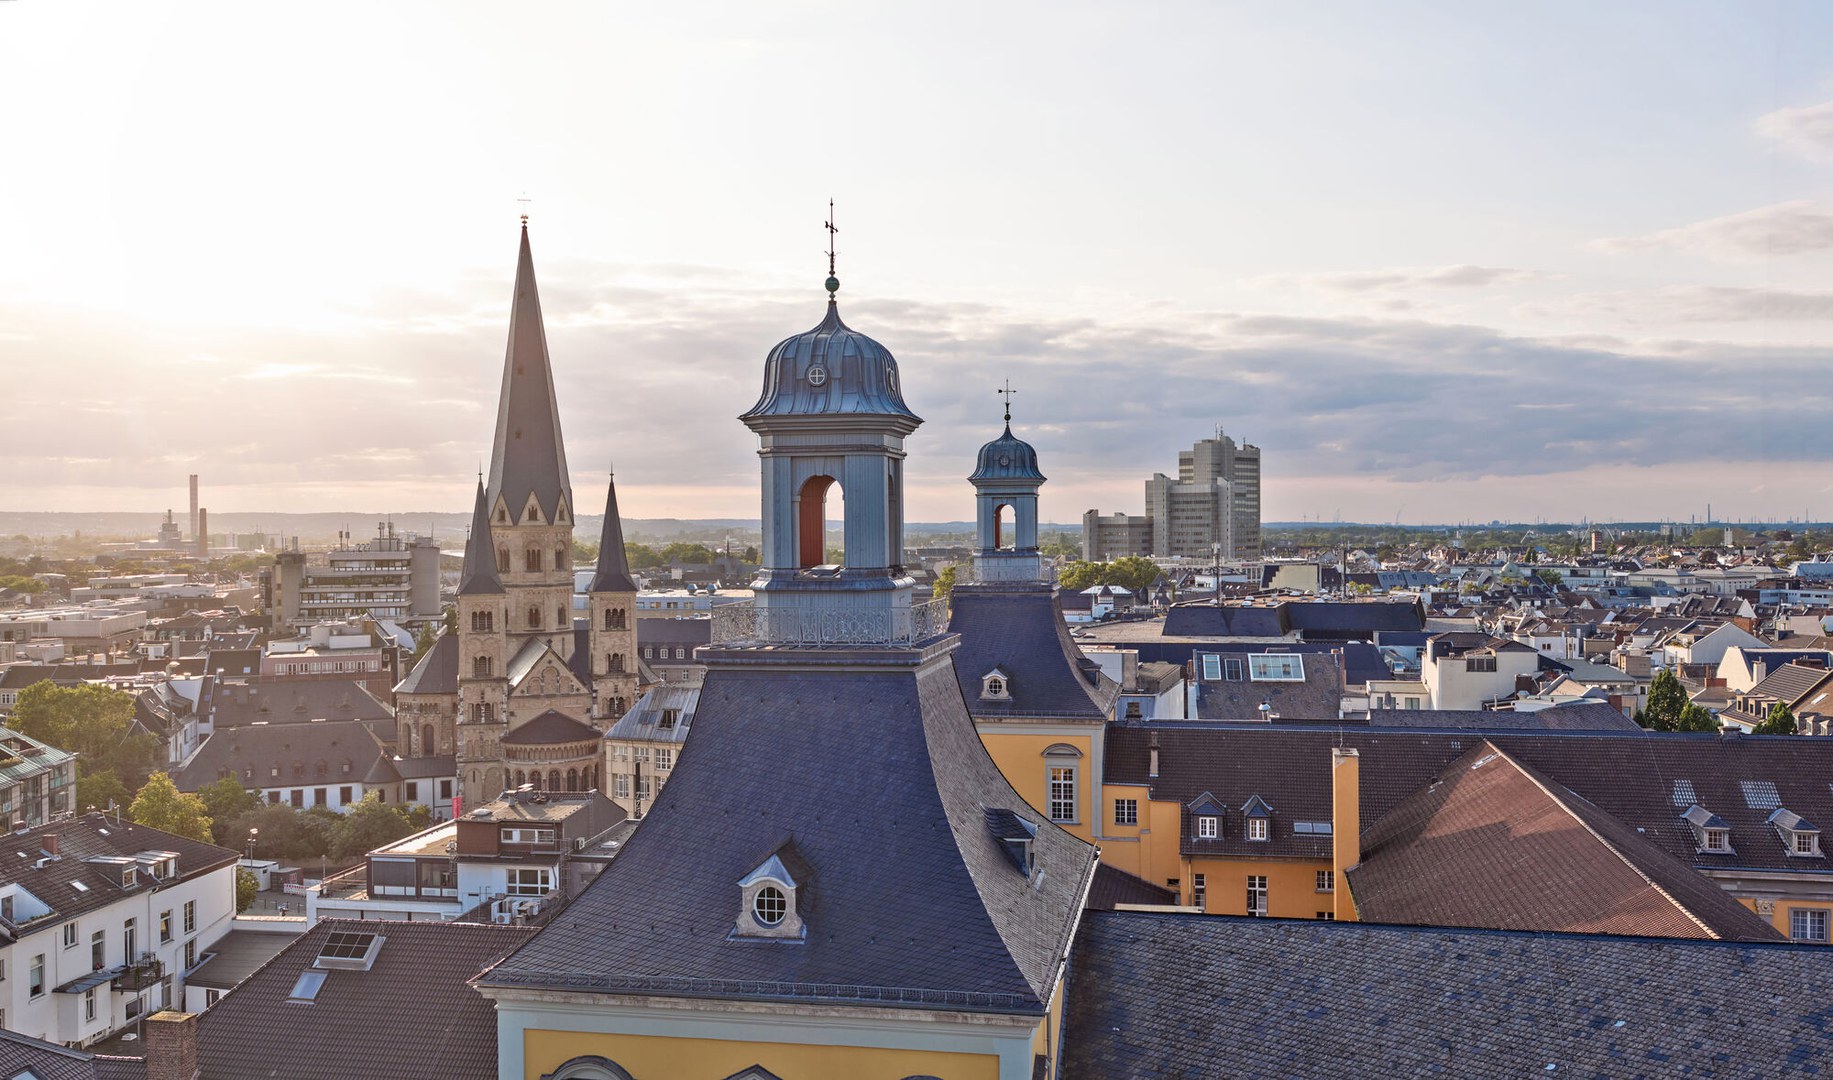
(395, 419)
(1695, 304)
(1418, 277)
(1789, 228)
(1807, 128)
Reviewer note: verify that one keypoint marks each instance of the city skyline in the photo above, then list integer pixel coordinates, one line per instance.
(1438, 264)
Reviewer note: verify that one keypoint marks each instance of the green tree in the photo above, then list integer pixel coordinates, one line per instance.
(449, 618)
(1667, 699)
(1132, 572)
(162, 806)
(246, 886)
(1551, 577)
(585, 552)
(23, 584)
(642, 557)
(93, 723)
(751, 554)
(418, 816)
(367, 826)
(225, 800)
(945, 580)
(1780, 721)
(100, 791)
(283, 833)
(423, 640)
(684, 552)
(1696, 718)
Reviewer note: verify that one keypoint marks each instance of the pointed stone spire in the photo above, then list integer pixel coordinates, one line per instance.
(479, 575)
(613, 567)
(528, 457)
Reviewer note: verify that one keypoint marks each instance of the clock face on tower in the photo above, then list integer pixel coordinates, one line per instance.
(817, 375)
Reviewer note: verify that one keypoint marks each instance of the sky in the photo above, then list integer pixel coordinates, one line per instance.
(1442, 262)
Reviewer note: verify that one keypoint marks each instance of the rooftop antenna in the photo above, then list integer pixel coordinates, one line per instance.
(1007, 392)
(833, 283)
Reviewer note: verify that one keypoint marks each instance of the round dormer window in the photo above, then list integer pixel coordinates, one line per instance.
(1005, 459)
(817, 376)
(769, 906)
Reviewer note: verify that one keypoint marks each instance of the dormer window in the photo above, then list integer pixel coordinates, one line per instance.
(1259, 818)
(1257, 828)
(996, 685)
(1207, 827)
(1206, 814)
(1711, 834)
(768, 904)
(1799, 837)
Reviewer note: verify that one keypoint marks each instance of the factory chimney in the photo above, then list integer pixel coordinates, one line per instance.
(193, 522)
(203, 534)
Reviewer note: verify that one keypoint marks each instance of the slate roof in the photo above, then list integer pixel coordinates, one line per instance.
(1007, 458)
(1790, 683)
(1578, 716)
(437, 671)
(643, 722)
(861, 376)
(22, 1055)
(551, 728)
(909, 899)
(1210, 621)
(528, 456)
(83, 837)
(307, 755)
(1020, 629)
(1490, 843)
(478, 576)
(1189, 997)
(659, 631)
(1328, 619)
(232, 663)
(254, 1030)
(1361, 661)
(1115, 886)
(1644, 779)
(612, 574)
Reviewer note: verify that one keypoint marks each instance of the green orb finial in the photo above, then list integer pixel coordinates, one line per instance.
(833, 286)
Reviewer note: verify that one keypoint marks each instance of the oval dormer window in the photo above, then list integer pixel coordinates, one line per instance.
(770, 905)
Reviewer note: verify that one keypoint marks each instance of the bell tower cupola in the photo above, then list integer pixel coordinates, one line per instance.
(831, 423)
(1005, 481)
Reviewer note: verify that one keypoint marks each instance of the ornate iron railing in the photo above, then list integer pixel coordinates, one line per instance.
(747, 623)
(995, 570)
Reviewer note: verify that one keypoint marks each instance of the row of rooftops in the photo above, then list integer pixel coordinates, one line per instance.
(55, 872)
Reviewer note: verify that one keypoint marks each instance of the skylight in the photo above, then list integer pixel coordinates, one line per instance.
(1684, 794)
(348, 950)
(305, 988)
(1760, 794)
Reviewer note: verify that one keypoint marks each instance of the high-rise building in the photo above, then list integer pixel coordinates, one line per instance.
(1210, 509)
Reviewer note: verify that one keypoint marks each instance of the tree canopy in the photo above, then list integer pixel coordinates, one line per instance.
(91, 722)
(162, 806)
(1133, 572)
(1780, 721)
(368, 825)
(1669, 710)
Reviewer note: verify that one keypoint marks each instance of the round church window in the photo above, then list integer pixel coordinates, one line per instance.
(817, 375)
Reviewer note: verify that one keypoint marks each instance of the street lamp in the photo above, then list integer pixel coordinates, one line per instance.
(253, 838)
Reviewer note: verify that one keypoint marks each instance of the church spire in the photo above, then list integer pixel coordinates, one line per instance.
(479, 574)
(528, 457)
(613, 574)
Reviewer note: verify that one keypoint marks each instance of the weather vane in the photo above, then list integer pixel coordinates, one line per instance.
(833, 283)
(1007, 392)
(523, 202)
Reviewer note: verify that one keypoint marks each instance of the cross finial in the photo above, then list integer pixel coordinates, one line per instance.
(1007, 392)
(523, 202)
(833, 283)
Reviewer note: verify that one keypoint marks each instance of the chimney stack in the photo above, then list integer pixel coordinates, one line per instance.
(203, 534)
(1345, 825)
(193, 506)
(171, 1046)
(49, 843)
(1152, 764)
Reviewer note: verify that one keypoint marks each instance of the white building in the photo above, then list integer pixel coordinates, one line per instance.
(102, 920)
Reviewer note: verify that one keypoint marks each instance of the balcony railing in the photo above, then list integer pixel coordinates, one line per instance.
(142, 973)
(745, 623)
(996, 570)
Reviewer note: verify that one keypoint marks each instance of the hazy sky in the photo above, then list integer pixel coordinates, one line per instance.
(1441, 261)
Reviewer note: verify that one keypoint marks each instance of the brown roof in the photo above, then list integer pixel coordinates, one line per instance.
(1491, 844)
(344, 1030)
(1791, 682)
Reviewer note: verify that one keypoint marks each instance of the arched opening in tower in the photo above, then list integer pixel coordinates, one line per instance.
(1003, 540)
(811, 519)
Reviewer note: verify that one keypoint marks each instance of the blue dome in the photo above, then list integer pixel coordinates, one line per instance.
(831, 370)
(1008, 458)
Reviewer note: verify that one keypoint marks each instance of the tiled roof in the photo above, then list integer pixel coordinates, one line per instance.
(451, 1035)
(1491, 844)
(910, 899)
(24, 1056)
(1646, 780)
(1020, 629)
(550, 728)
(1578, 716)
(23, 862)
(437, 671)
(289, 701)
(1189, 997)
(307, 754)
(1318, 696)
(1791, 682)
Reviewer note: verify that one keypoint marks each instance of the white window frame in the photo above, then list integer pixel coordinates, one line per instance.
(1257, 828)
(1207, 827)
(526, 880)
(1126, 811)
(1807, 924)
(1326, 881)
(1062, 790)
(1257, 895)
(1212, 667)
